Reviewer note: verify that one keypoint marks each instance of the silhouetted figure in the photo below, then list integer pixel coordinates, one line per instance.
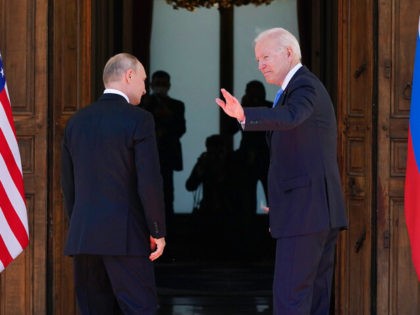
(213, 174)
(170, 126)
(211, 171)
(252, 155)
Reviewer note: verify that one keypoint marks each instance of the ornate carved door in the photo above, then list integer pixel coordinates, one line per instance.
(355, 110)
(376, 50)
(398, 290)
(70, 89)
(23, 43)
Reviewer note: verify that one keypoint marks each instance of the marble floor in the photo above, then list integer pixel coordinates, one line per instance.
(215, 305)
(214, 288)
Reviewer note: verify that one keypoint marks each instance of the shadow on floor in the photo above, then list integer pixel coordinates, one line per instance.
(227, 274)
(215, 305)
(214, 288)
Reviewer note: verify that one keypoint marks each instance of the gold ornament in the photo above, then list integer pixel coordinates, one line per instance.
(190, 5)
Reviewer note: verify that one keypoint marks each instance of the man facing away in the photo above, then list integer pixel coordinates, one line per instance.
(170, 125)
(112, 190)
(306, 205)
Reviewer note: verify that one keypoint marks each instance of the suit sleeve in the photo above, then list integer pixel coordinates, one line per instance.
(295, 106)
(149, 179)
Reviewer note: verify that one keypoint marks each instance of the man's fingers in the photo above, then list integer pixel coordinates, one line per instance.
(160, 245)
(155, 255)
(220, 102)
(229, 97)
(152, 244)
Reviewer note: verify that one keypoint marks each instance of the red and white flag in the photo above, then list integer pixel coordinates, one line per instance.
(14, 232)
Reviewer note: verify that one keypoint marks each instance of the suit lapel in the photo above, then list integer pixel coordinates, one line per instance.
(283, 98)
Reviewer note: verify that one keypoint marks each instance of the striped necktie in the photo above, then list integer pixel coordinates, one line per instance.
(278, 95)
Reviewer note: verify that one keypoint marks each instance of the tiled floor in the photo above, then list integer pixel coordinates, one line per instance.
(214, 288)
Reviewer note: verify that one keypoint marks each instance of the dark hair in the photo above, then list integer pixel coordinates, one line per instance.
(160, 74)
(255, 88)
(215, 141)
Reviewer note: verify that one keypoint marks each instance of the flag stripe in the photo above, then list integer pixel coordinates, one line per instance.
(5, 257)
(7, 126)
(412, 178)
(12, 218)
(7, 108)
(13, 194)
(415, 105)
(412, 202)
(10, 162)
(14, 231)
(9, 238)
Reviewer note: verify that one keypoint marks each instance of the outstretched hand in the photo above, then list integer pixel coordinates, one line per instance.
(157, 245)
(231, 106)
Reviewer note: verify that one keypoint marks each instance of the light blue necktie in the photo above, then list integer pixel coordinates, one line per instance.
(278, 95)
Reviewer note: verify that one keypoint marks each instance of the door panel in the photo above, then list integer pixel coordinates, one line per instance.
(354, 112)
(398, 288)
(22, 284)
(70, 89)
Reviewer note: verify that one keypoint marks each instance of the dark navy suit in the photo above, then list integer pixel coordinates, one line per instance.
(304, 192)
(113, 194)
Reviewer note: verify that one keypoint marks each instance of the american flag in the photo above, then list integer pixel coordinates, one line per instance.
(14, 235)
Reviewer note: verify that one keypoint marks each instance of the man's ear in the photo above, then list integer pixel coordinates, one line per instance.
(129, 74)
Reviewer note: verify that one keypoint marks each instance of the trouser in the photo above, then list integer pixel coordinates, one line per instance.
(303, 273)
(111, 285)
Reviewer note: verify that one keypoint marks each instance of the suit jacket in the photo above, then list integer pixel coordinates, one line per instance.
(304, 189)
(111, 179)
(170, 126)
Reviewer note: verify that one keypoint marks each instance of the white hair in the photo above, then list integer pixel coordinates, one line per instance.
(118, 65)
(283, 38)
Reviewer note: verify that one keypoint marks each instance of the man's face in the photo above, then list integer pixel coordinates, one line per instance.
(274, 62)
(138, 88)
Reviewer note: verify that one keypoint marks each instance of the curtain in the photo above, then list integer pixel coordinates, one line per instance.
(142, 31)
(304, 13)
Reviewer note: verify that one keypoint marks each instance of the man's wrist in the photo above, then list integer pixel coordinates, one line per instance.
(242, 122)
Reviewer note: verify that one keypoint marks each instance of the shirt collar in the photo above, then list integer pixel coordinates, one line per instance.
(114, 91)
(290, 75)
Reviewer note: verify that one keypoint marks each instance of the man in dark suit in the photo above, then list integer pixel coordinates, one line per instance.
(170, 126)
(113, 195)
(306, 205)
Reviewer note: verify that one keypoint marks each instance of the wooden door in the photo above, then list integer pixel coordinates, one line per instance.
(398, 290)
(376, 50)
(23, 44)
(355, 107)
(70, 89)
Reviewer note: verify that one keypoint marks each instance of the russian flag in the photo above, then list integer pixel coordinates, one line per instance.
(412, 179)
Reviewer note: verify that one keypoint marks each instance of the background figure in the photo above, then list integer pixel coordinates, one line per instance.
(112, 191)
(212, 172)
(170, 126)
(306, 204)
(212, 175)
(252, 155)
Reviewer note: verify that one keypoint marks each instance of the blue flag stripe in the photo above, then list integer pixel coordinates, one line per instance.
(415, 104)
